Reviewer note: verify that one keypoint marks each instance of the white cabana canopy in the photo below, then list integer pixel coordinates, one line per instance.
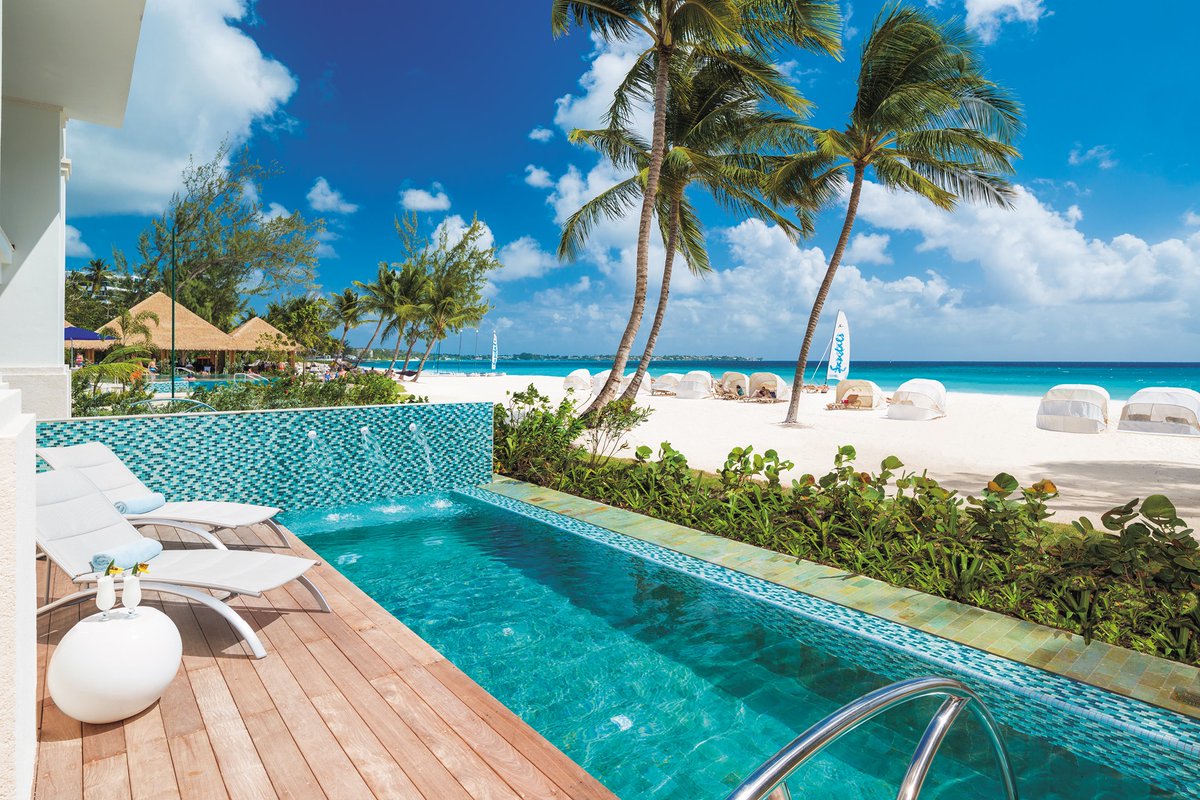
(643, 388)
(1162, 409)
(1074, 408)
(667, 383)
(918, 399)
(860, 394)
(731, 382)
(768, 385)
(599, 379)
(578, 381)
(696, 385)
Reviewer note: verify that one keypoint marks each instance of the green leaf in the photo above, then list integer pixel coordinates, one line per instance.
(1158, 508)
(891, 463)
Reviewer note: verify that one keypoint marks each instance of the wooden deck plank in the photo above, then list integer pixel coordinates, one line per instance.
(347, 705)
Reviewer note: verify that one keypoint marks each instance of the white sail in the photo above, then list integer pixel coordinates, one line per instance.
(495, 351)
(839, 351)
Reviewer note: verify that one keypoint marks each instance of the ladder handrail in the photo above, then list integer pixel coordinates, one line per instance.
(774, 771)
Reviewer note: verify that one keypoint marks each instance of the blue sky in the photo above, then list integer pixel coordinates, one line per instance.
(384, 106)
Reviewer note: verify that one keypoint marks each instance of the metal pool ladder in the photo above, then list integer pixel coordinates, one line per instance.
(768, 782)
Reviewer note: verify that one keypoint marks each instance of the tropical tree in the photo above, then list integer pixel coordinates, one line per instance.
(738, 32)
(348, 310)
(304, 319)
(926, 120)
(712, 115)
(405, 305)
(374, 301)
(450, 306)
(97, 270)
(133, 330)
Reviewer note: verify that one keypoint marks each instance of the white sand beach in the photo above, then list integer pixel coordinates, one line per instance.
(983, 434)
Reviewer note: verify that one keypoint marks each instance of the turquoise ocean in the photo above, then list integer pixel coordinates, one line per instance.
(994, 377)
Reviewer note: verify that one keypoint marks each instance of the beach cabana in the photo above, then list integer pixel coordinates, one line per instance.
(667, 383)
(918, 399)
(696, 385)
(1074, 408)
(643, 388)
(257, 334)
(859, 395)
(599, 379)
(733, 385)
(768, 386)
(1162, 409)
(192, 333)
(578, 381)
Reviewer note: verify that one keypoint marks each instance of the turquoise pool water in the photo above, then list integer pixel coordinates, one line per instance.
(664, 685)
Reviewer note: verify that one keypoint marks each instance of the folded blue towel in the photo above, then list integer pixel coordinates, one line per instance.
(141, 505)
(128, 555)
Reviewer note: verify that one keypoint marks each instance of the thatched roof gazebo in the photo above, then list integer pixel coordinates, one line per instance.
(258, 334)
(192, 333)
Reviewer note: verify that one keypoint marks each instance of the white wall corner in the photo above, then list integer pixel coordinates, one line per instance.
(18, 628)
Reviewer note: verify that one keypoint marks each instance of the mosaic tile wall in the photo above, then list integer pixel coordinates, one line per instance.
(297, 458)
(1151, 742)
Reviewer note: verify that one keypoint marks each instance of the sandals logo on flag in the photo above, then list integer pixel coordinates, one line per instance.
(839, 356)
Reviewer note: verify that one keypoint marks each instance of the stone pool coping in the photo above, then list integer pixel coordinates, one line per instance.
(1150, 679)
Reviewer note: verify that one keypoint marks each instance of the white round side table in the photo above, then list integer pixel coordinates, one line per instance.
(108, 669)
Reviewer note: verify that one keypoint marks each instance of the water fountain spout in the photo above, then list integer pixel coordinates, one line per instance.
(422, 440)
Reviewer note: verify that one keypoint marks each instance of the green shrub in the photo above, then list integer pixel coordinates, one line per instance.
(1134, 584)
(304, 391)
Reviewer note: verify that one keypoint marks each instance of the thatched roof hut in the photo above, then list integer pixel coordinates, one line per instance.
(258, 334)
(191, 332)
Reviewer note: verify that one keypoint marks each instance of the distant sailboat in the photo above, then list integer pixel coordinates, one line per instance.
(838, 351)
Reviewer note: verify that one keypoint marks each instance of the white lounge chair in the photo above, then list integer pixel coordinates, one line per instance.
(108, 472)
(75, 521)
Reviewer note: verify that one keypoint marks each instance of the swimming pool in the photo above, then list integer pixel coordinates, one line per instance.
(668, 677)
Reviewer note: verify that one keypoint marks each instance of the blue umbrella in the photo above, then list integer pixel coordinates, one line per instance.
(72, 333)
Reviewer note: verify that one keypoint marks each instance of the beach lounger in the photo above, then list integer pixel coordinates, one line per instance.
(75, 522)
(118, 483)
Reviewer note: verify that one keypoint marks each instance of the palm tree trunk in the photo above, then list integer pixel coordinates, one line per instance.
(378, 325)
(659, 313)
(823, 292)
(396, 352)
(408, 354)
(428, 350)
(342, 341)
(658, 148)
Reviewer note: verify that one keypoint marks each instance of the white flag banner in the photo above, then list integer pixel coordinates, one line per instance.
(495, 351)
(839, 350)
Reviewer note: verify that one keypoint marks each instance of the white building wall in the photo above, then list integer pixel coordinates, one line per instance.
(32, 214)
(18, 629)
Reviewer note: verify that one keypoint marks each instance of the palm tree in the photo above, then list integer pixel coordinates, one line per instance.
(450, 306)
(405, 302)
(133, 330)
(374, 301)
(349, 311)
(925, 120)
(712, 114)
(735, 31)
(97, 271)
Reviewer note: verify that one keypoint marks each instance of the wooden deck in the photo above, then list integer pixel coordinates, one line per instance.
(345, 705)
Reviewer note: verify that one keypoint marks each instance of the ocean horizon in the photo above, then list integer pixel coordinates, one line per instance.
(1030, 378)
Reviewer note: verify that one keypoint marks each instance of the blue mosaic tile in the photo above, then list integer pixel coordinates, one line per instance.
(296, 458)
(1150, 742)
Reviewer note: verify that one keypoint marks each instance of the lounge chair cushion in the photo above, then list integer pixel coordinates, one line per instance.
(210, 512)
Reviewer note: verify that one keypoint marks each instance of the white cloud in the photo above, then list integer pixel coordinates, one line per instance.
(524, 258)
(538, 177)
(274, 211)
(848, 30)
(611, 62)
(540, 134)
(425, 200)
(1036, 256)
(76, 246)
(325, 240)
(796, 73)
(455, 226)
(1191, 218)
(1101, 154)
(324, 198)
(197, 80)
(868, 248)
(986, 17)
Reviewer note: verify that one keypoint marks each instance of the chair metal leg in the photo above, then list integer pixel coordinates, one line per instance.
(68, 600)
(207, 536)
(278, 529)
(322, 603)
(232, 617)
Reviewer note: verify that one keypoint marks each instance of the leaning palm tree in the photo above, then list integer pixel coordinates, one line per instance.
(373, 300)
(712, 114)
(738, 32)
(348, 310)
(132, 330)
(450, 306)
(925, 120)
(405, 303)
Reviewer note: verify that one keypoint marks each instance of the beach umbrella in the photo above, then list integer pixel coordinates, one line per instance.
(77, 338)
